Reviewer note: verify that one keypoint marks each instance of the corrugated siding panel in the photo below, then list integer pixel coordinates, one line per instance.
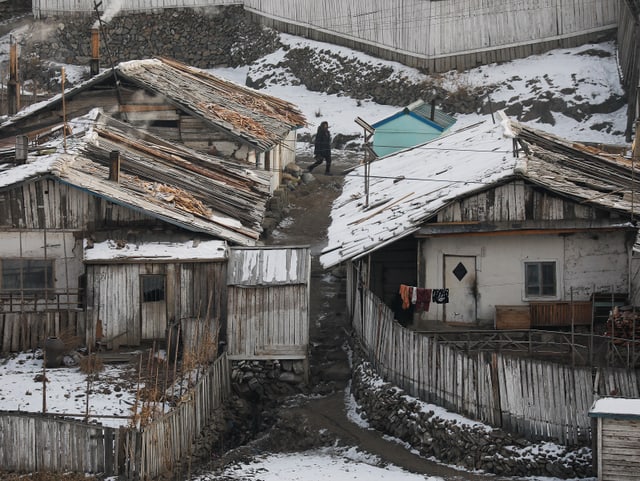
(264, 266)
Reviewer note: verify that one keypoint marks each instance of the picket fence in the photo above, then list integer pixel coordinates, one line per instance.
(530, 397)
(436, 36)
(38, 442)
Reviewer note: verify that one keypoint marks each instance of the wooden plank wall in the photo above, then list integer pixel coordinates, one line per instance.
(48, 204)
(31, 443)
(525, 396)
(416, 33)
(158, 447)
(618, 450)
(629, 58)
(269, 322)
(193, 291)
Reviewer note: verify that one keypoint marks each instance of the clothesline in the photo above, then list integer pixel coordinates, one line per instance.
(422, 297)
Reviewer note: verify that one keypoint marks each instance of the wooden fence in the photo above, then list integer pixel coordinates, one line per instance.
(436, 36)
(524, 395)
(628, 56)
(37, 442)
(157, 448)
(23, 331)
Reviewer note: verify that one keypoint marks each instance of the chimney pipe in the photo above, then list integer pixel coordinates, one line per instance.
(22, 149)
(433, 109)
(13, 91)
(95, 52)
(114, 166)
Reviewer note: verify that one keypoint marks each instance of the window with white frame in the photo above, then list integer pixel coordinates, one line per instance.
(540, 279)
(27, 275)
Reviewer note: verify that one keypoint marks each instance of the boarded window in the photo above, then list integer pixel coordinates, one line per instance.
(152, 288)
(27, 275)
(540, 279)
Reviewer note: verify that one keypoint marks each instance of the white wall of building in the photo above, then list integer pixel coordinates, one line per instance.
(584, 262)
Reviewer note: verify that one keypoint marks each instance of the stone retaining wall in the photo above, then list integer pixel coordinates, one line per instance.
(472, 446)
(198, 37)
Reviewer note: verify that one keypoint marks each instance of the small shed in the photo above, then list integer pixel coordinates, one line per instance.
(617, 443)
(268, 303)
(414, 125)
(135, 292)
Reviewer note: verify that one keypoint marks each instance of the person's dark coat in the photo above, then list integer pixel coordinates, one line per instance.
(322, 147)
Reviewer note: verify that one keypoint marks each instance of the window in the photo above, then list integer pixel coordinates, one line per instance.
(152, 288)
(540, 279)
(27, 274)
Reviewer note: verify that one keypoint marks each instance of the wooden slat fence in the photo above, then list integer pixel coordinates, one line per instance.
(527, 396)
(36, 442)
(417, 33)
(628, 56)
(23, 331)
(158, 447)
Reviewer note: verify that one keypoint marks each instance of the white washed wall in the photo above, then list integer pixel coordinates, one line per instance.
(584, 263)
(424, 29)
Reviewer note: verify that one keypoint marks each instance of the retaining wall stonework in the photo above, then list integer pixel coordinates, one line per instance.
(473, 446)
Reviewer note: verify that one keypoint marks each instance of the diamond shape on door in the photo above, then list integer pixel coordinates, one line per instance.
(460, 271)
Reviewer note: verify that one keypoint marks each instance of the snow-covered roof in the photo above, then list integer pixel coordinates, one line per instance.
(615, 407)
(253, 117)
(408, 188)
(405, 188)
(110, 251)
(173, 183)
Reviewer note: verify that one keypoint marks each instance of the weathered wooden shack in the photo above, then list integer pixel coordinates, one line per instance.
(268, 303)
(135, 292)
(178, 103)
(617, 439)
(490, 215)
(112, 183)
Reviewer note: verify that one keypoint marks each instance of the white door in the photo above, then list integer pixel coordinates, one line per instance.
(460, 279)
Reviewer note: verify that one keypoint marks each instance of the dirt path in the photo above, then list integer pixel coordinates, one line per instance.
(310, 206)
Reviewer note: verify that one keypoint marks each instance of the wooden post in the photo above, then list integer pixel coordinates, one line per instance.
(114, 166)
(94, 65)
(64, 110)
(13, 87)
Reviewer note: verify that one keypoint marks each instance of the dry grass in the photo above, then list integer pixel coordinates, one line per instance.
(91, 364)
(71, 340)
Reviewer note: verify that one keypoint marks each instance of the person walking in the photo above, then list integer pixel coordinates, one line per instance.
(322, 148)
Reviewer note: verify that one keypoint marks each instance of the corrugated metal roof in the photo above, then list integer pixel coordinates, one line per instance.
(411, 186)
(269, 266)
(178, 185)
(244, 113)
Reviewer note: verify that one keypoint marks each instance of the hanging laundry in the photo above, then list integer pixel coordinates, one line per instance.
(423, 299)
(406, 294)
(440, 296)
